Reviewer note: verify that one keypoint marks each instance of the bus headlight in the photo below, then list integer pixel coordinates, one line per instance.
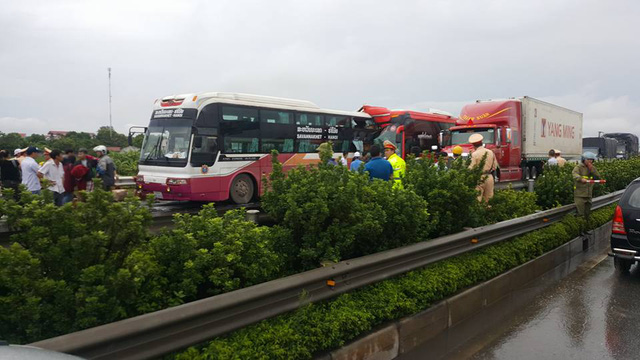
(177, 181)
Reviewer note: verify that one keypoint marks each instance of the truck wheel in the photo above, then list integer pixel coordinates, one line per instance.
(242, 189)
(622, 265)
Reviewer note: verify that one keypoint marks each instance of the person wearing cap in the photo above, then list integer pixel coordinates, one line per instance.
(19, 154)
(378, 167)
(561, 161)
(397, 163)
(106, 167)
(552, 161)
(53, 171)
(583, 190)
(356, 162)
(485, 188)
(457, 154)
(47, 156)
(30, 167)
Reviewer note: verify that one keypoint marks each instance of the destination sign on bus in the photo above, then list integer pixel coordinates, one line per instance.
(315, 133)
(174, 113)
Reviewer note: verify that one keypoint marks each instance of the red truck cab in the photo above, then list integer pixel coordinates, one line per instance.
(499, 124)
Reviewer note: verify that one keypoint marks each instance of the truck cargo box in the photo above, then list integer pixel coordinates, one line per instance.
(547, 126)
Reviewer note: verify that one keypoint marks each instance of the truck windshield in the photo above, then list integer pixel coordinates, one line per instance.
(168, 143)
(620, 149)
(462, 136)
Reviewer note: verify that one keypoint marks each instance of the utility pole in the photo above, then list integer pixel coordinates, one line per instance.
(110, 123)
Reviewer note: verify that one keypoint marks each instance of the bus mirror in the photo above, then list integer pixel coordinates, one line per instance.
(135, 130)
(441, 139)
(508, 136)
(499, 137)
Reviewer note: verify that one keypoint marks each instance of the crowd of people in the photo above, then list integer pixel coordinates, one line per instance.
(65, 173)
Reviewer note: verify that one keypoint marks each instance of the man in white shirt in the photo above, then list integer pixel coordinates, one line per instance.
(30, 168)
(552, 158)
(53, 171)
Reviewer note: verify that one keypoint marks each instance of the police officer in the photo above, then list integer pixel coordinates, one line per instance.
(398, 164)
(486, 181)
(583, 190)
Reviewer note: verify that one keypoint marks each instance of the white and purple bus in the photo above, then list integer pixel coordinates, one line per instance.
(216, 146)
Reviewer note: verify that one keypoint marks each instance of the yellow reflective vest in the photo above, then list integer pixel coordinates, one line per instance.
(399, 168)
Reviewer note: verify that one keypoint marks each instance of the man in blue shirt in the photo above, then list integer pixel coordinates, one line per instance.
(378, 167)
(355, 164)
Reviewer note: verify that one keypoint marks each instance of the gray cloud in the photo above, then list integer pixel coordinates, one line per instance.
(418, 54)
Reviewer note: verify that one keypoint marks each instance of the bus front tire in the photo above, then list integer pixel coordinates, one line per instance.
(242, 189)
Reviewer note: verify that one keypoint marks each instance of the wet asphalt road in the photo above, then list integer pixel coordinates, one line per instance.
(592, 314)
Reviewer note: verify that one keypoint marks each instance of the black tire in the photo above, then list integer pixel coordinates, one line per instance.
(242, 189)
(622, 265)
(534, 172)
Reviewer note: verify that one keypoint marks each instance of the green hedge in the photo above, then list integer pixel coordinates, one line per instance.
(327, 325)
(555, 186)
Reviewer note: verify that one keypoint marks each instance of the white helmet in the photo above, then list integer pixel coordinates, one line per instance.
(100, 148)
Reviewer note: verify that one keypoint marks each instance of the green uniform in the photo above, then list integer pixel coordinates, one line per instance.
(583, 193)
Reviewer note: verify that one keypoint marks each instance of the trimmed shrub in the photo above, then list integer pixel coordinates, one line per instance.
(335, 214)
(510, 204)
(555, 186)
(52, 279)
(450, 194)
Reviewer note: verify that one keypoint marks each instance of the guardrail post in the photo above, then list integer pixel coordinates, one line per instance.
(252, 215)
(530, 184)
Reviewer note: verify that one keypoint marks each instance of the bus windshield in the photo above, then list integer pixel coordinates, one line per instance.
(462, 136)
(389, 133)
(166, 142)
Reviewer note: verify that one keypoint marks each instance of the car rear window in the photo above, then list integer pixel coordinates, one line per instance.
(634, 198)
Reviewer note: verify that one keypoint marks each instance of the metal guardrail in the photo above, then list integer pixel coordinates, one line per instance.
(161, 332)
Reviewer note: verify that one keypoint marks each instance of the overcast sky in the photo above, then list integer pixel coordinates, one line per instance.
(54, 56)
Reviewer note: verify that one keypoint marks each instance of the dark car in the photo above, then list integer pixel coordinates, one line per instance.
(625, 230)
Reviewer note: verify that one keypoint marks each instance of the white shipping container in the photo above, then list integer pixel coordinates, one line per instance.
(547, 126)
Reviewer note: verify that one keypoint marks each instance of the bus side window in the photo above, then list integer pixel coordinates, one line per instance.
(276, 117)
(205, 149)
(339, 121)
(232, 113)
(309, 119)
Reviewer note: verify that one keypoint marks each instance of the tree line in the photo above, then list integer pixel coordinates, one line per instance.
(72, 140)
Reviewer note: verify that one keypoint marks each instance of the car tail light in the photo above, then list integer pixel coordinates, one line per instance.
(177, 181)
(618, 222)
